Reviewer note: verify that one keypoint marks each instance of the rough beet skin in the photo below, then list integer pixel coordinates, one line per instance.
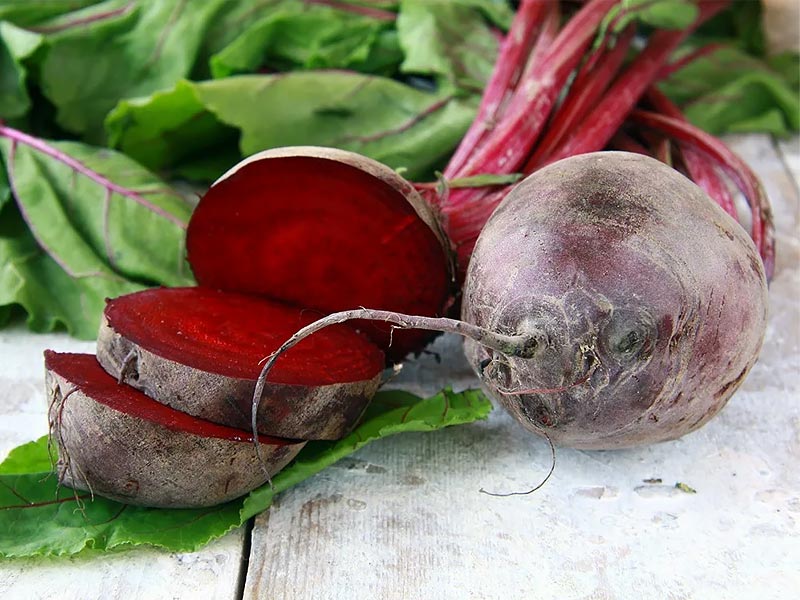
(200, 351)
(116, 442)
(649, 299)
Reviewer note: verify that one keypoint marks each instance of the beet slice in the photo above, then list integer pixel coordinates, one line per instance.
(200, 351)
(117, 442)
(324, 229)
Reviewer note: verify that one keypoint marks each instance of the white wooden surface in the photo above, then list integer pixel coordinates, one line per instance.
(403, 518)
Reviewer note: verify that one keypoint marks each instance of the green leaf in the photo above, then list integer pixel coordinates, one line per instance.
(292, 35)
(484, 179)
(26, 13)
(668, 14)
(92, 224)
(730, 91)
(34, 457)
(497, 12)
(15, 45)
(685, 488)
(119, 210)
(449, 40)
(51, 296)
(378, 117)
(124, 50)
(5, 190)
(663, 14)
(786, 65)
(740, 25)
(170, 128)
(38, 519)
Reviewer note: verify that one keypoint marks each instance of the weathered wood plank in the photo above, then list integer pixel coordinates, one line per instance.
(404, 518)
(141, 573)
(790, 153)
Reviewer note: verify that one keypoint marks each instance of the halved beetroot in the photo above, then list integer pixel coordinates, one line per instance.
(117, 442)
(200, 351)
(324, 229)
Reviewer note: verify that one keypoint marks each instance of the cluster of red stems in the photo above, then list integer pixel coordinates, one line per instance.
(555, 93)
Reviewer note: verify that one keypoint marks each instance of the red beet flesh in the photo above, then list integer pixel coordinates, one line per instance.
(230, 334)
(321, 234)
(86, 374)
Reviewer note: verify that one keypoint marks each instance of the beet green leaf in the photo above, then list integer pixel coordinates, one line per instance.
(381, 118)
(27, 13)
(731, 91)
(449, 40)
(87, 224)
(290, 35)
(16, 45)
(118, 49)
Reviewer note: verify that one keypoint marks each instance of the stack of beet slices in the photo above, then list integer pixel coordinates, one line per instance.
(162, 416)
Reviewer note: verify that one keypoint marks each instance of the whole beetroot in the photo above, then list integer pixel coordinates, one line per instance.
(649, 302)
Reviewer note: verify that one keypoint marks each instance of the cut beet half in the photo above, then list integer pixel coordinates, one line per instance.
(201, 350)
(324, 229)
(116, 442)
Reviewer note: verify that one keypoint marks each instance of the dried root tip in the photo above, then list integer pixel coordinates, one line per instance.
(541, 483)
(55, 416)
(521, 346)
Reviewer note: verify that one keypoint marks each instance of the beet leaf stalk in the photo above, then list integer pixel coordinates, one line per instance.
(536, 128)
(609, 114)
(508, 68)
(507, 145)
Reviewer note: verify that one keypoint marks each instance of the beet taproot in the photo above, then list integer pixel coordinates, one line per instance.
(327, 230)
(117, 442)
(650, 300)
(199, 351)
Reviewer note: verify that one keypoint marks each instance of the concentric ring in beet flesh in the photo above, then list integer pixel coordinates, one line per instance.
(230, 334)
(323, 232)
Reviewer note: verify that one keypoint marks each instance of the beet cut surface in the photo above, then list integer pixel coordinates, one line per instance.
(229, 334)
(85, 373)
(320, 233)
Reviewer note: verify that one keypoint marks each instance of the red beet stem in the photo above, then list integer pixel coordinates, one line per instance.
(699, 167)
(515, 48)
(590, 83)
(762, 230)
(464, 211)
(623, 141)
(537, 92)
(609, 114)
(508, 68)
